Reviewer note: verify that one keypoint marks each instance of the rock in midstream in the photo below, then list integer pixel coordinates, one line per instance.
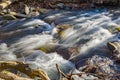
(103, 65)
(114, 48)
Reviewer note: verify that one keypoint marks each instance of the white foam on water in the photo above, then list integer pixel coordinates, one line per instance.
(48, 63)
(5, 54)
(96, 39)
(31, 42)
(92, 32)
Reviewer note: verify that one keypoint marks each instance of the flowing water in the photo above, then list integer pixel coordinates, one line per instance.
(91, 31)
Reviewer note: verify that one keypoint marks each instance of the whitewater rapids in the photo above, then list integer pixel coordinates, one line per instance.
(90, 32)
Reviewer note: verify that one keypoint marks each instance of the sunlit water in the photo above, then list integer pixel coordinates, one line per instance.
(90, 32)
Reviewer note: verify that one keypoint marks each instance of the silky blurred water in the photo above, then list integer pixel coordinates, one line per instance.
(90, 32)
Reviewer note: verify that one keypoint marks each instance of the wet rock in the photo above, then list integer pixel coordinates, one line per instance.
(60, 31)
(113, 28)
(102, 67)
(105, 2)
(103, 62)
(83, 76)
(61, 5)
(114, 48)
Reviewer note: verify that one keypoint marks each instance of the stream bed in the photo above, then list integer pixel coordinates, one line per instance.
(66, 38)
